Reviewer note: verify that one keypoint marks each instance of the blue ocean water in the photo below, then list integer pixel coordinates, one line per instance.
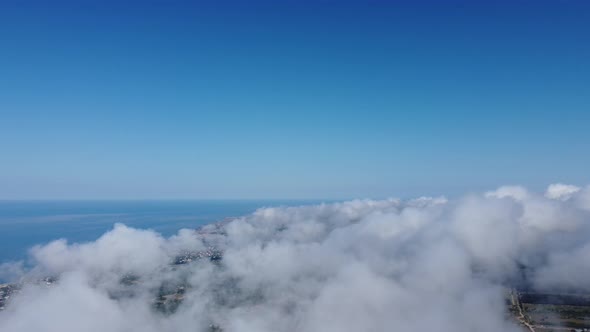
(26, 223)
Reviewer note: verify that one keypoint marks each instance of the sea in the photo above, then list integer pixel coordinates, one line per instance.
(24, 224)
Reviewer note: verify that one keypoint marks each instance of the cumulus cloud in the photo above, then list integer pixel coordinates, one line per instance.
(561, 191)
(362, 265)
(515, 192)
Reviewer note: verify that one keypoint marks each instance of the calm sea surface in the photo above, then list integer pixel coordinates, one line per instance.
(24, 224)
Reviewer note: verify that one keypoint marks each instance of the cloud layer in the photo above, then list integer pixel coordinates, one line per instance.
(363, 265)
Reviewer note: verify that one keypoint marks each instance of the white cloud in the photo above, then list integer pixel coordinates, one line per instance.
(515, 192)
(561, 191)
(362, 265)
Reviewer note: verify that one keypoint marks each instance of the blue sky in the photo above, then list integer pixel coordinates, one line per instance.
(291, 99)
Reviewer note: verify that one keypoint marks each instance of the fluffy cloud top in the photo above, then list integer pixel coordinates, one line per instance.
(561, 191)
(363, 265)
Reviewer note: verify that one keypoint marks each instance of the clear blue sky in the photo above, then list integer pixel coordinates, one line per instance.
(291, 99)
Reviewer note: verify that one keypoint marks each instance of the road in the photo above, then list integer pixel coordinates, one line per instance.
(521, 318)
